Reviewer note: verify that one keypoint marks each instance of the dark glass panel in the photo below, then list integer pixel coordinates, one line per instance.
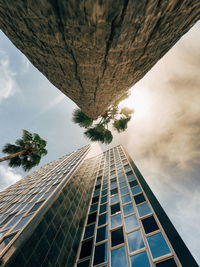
(101, 253)
(95, 199)
(89, 231)
(139, 198)
(117, 237)
(149, 224)
(36, 206)
(86, 249)
(94, 207)
(129, 173)
(115, 208)
(114, 191)
(103, 219)
(92, 217)
(104, 192)
(104, 199)
(97, 186)
(167, 263)
(84, 263)
(103, 208)
(133, 183)
(102, 233)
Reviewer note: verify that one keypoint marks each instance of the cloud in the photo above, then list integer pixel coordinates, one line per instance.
(8, 176)
(7, 78)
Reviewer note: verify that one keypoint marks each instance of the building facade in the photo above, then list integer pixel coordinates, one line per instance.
(84, 212)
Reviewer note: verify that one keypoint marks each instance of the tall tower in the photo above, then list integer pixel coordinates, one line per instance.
(79, 212)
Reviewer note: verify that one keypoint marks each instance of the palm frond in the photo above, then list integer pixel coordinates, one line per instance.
(10, 149)
(15, 162)
(121, 124)
(80, 118)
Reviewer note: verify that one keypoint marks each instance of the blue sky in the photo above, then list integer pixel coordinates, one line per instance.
(162, 138)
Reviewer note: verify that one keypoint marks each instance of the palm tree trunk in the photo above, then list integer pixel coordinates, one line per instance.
(13, 155)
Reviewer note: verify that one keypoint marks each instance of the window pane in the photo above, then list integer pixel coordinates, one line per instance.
(86, 249)
(117, 237)
(113, 185)
(129, 173)
(149, 224)
(167, 263)
(14, 220)
(104, 199)
(135, 241)
(94, 207)
(114, 191)
(103, 219)
(135, 190)
(23, 221)
(101, 253)
(103, 208)
(122, 179)
(128, 208)
(139, 198)
(140, 259)
(36, 206)
(89, 231)
(124, 190)
(158, 245)
(131, 222)
(84, 264)
(118, 257)
(104, 192)
(126, 199)
(133, 183)
(122, 184)
(102, 233)
(144, 209)
(115, 208)
(92, 218)
(114, 199)
(95, 199)
(116, 220)
(5, 241)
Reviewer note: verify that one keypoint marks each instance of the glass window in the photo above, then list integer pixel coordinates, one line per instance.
(129, 173)
(167, 263)
(117, 237)
(135, 241)
(139, 198)
(104, 199)
(131, 222)
(103, 219)
(114, 199)
(5, 241)
(118, 257)
(149, 224)
(92, 217)
(104, 192)
(122, 179)
(101, 253)
(9, 218)
(36, 206)
(133, 183)
(124, 190)
(158, 245)
(144, 209)
(89, 231)
(114, 191)
(113, 185)
(105, 186)
(94, 207)
(102, 233)
(123, 184)
(86, 249)
(84, 263)
(14, 220)
(22, 222)
(103, 208)
(115, 208)
(128, 208)
(126, 198)
(135, 190)
(95, 199)
(116, 220)
(140, 259)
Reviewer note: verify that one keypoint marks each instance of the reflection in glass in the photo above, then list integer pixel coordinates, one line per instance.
(114, 199)
(128, 209)
(135, 190)
(117, 237)
(140, 259)
(102, 233)
(144, 209)
(116, 220)
(89, 231)
(14, 220)
(131, 222)
(123, 184)
(103, 208)
(135, 241)
(124, 190)
(101, 253)
(21, 223)
(118, 257)
(115, 208)
(126, 199)
(158, 245)
(103, 219)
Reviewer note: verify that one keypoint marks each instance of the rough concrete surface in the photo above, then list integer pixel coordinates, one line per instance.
(94, 50)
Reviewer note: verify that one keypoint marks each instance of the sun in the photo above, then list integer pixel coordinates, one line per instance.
(140, 101)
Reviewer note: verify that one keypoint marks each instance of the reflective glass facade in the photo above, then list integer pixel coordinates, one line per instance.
(83, 213)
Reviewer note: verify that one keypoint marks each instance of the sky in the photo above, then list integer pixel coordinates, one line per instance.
(162, 137)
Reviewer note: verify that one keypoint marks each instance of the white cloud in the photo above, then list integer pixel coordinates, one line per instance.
(8, 85)
(8, 176)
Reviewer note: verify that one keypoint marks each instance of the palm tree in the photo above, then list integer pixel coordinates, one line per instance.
(97, 129)
(26, 152)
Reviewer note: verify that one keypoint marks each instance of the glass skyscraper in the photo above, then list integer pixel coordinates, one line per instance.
(82, 212)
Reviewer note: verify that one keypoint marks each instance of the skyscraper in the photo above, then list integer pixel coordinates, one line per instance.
(84, 212)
